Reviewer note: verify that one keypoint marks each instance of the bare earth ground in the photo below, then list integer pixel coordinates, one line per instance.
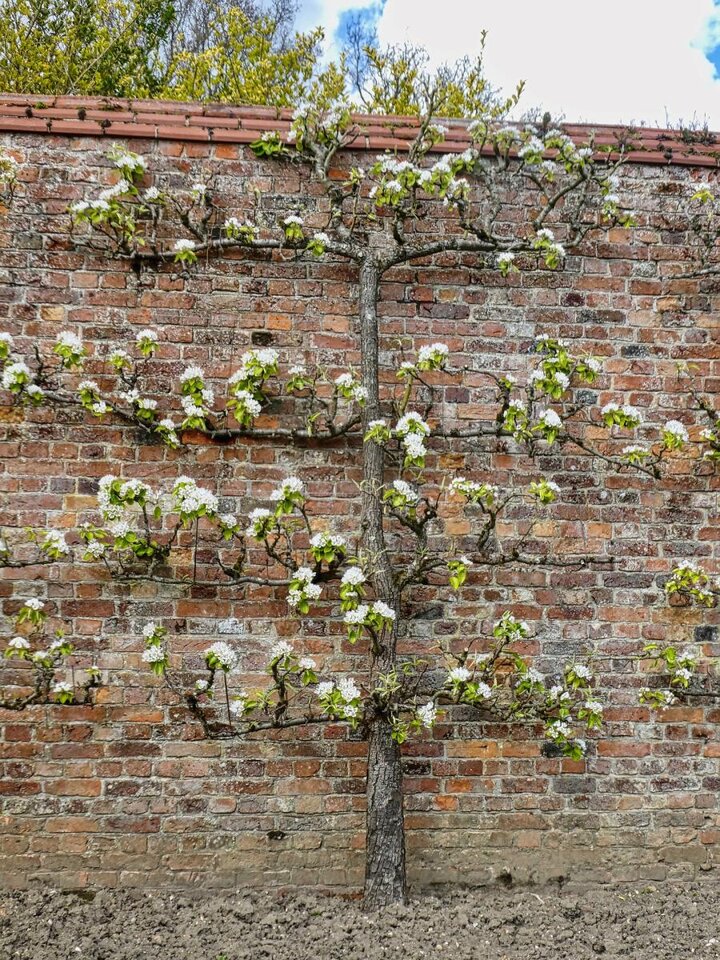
(651, 922)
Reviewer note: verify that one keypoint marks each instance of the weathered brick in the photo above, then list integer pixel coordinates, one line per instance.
(130, 784)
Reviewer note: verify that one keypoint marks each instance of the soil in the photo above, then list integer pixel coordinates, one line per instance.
(651, 922)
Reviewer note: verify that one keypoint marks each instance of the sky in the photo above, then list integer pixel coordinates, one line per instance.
(651, 62)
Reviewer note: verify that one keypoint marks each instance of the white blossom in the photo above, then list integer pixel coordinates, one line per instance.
(191, 373)
(427, 714)
(56, 541)
(228, 520)
(146, 336)
(348, 689)
(411, 422)
(550, 419)
(280, 650)
(14, 372)
(119, 529)
(154, 654)
(237, 706)
(71, 340)
(224, 653)
(353, 576)
(248, 401)
(383, 610)
(289, 486)
(427, 352)
(190, 497)
(414, 446)
(304, 574)
(190, 408)
(405, 490)
(294, 597)
(327, 539)
(459, 674)
(259, 513)
(96, 549)
(558, 730)
(116, 190)
(131, 160)
(266, 357)
(183, 244)
(677, 429)
(19, 643)
(325, 688)
(357, 616)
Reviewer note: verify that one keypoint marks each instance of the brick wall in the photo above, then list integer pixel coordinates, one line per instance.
(128, 792)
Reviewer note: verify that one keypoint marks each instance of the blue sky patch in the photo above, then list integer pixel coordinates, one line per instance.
(368, 16)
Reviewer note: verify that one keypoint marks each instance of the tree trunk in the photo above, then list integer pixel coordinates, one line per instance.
(373, 453)
(385, 843)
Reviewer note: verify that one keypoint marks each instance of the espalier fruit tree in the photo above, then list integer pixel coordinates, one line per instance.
(516, 199)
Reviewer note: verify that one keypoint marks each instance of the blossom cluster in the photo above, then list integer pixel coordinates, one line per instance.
(375, 617)
(46, 657)
(691, 580)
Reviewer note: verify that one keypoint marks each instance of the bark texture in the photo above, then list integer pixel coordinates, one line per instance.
(385, 864)
(385, 861)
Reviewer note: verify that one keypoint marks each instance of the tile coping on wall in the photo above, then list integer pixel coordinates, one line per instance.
(223, 123)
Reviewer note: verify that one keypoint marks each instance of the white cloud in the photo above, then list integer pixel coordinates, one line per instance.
(631, 61)
(621, 61)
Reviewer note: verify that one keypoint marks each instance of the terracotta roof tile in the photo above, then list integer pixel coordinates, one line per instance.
(176, 120)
